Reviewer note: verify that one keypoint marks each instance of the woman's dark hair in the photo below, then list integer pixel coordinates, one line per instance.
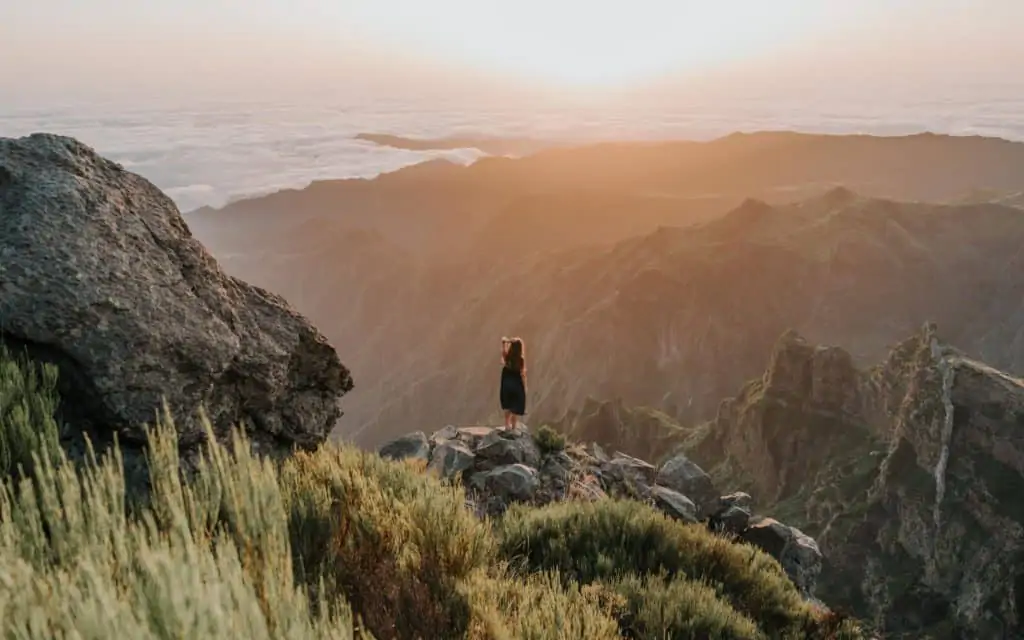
(515, 359)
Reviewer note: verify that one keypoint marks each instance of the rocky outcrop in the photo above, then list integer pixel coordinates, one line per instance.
(500, 467)
(909, 476)
(797, 552)
(100, 274)
(783, 431)
(685, 476)
(937, 542)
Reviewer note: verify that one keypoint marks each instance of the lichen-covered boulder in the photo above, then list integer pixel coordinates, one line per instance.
(100, 275)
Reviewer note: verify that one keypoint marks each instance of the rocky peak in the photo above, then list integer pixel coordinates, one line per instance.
(100, 275)
(774, 437)
(909, 476)
(944, 505)
(823, 378)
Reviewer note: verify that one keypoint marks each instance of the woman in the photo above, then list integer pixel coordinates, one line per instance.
(512, 392)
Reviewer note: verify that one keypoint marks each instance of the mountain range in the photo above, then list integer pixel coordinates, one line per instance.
(896, 462)
(656, 274)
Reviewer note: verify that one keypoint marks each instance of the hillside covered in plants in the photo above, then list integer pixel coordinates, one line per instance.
(340, 543)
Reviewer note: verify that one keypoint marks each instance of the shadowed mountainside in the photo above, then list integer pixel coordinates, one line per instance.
(908, 474)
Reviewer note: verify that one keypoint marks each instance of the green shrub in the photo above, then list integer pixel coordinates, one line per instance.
(536, 607)
(548, 440)
(396, 543)
(657, 608)
(609, 540)
(28, 403)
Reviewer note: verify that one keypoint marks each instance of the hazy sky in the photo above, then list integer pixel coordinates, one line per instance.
(80, 47)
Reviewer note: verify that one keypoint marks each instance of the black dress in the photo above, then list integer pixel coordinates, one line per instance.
(512, 391)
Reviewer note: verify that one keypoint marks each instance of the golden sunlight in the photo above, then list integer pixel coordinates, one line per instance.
(591, 43)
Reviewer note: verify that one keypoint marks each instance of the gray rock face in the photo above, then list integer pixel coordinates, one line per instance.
(739, 499)
(450, 457)
(511, 481)
(448, 432)
(100, 274)
(732, 513)
(674, 504)
(500, 448)
(685, 476)
(796, 552)
(732, 520)
(414, 445)
(626, 468)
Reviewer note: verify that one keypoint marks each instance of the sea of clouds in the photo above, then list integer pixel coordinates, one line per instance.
(212, 153)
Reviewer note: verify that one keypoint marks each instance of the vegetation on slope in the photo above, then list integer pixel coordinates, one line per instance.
(339, 543)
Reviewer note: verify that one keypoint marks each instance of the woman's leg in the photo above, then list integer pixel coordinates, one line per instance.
(508, 418)
(515, 421)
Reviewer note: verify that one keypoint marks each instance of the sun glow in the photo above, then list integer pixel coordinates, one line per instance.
(593, 43)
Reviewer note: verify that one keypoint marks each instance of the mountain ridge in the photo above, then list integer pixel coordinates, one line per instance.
(839, 267)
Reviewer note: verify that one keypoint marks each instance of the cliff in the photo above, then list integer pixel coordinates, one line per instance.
(907, 474)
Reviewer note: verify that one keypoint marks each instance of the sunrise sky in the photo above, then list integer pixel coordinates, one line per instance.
(579, 45)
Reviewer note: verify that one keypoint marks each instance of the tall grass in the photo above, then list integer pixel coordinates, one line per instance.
(28, 403)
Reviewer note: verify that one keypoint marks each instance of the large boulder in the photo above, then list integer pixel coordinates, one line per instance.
(100, 275)
(681, 474)
(450, 458)
(674, 504)
(627, 474)
(510, 482)
(508, 447)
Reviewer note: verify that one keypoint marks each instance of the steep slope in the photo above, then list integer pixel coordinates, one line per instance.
(908, 474)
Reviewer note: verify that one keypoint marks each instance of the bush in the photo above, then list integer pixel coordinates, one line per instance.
(537, 607)
(678, 609)
(548, 440)
(394, 542)
(609, 540)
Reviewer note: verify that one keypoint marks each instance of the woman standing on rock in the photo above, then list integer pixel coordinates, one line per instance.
(512, 392)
